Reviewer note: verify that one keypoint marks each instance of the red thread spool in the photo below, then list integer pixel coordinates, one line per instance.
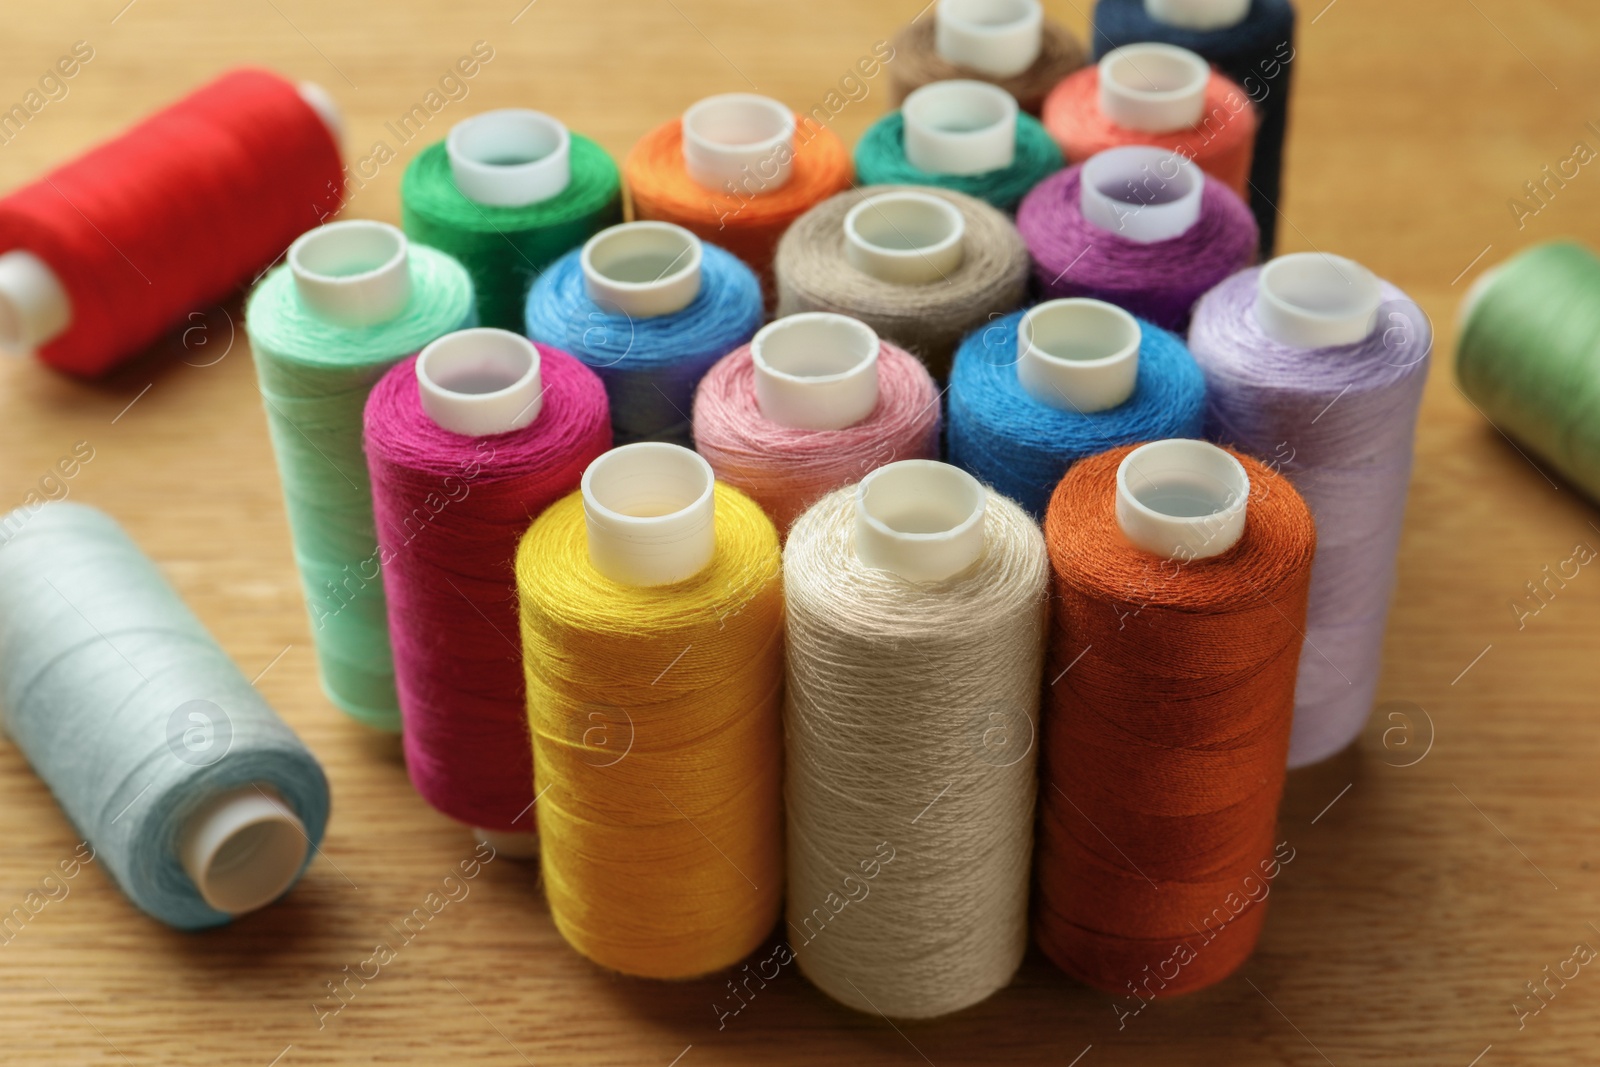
(1166, 730)
(467, 443)
(106, 253)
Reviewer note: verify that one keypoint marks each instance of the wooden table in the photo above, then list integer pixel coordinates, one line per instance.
(1439, 866)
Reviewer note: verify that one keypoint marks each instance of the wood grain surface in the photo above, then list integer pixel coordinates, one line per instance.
(1439, 866)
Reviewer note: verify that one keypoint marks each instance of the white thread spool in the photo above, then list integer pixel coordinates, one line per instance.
(650, 513)
(1153, 88)
(959, 127)
(816, 370)
(738, 136)
(34, 306)
(907, 238)
(642, 269)
(1182, 499)
(921, 519)
(1078, 354)
(1001, 38)
(1141, 193)
(1316, 300)
(243, 849)
(510, 157)
(1198, 14)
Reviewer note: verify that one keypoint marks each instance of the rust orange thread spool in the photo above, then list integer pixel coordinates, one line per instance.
(736, 170)
(1176, 634)
(1161, 95)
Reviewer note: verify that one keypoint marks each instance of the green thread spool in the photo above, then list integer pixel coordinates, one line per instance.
(507, 193)
(354, 299)
(1529, 356)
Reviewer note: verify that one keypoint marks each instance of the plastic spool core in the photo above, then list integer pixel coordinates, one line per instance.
(509, 157)
(480, 381)
(905, 238)
(959, 127)
(650, 514)
(1314, 300)
(1141, 193)
(1153, 88)
(1078, 354)
(816, 370)
(921, 519)
(243, 849)
(736, 136)
(1198, 14)
(34, 306)
(1182, 499)
(998, 37)
(353, 273)
(327, 109)
(642, 269)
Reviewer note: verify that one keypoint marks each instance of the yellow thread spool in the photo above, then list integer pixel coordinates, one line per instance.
(652, 631)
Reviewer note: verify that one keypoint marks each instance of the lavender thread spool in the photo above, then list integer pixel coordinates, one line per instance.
(1317, 366)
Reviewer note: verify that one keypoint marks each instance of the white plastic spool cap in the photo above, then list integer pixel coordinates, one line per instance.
(480, 381)
(1078, 354)
(242, 849)
(34, 306)
(642, 269)
(1154, 88)
(1198, 14)
(740, 138)
(921, 519)
(1141, 193)
(509, 157)
(1182, 499)
(1314, 300)
(353, 273)
(998, 37)
(905, 238)
(650, 514)
(959, 127)
(327, 109)
(512, 844)
(816, 370)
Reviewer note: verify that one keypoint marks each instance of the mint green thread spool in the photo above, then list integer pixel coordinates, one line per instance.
(507, 193)
(353, 299)
(1529, 356)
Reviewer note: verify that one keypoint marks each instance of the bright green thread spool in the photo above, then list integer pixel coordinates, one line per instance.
(507, 194)
(1529, 356)
(361, 301)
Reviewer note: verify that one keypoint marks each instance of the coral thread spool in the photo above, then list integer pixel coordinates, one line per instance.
(108, 251)
(465, 443)
(1176, 635)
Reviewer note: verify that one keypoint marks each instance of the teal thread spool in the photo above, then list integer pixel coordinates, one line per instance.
(962, 135)
(194, 795)
(354, 299)
(1529, 355)
(507, 193)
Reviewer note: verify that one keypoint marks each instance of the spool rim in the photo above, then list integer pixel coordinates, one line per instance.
(999, 48)
(959, 126)
(672, 291)
(649, 550)
(712, 159)
(916, 263)
(1175, 536)
(1146, 223)
(1088, 385)
(1129, 100)
(493, 355)
(243, 849)
(931, 555)
(474, 144)
(789, 394)
(368, 296)
(1317, 300)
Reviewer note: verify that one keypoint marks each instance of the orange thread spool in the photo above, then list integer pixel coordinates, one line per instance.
(747, 214)
(1221, 143)
(1165, 736)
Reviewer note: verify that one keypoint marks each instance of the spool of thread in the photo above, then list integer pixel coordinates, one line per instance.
(1526, 356)
(1159, 95)
(1176, 633)
(961, 135)
(199, 801)
(106, 253)
(466, 444)
(652, 627)
(1251, 41)
(814, 402)
(922, 267)
(915, 608)
(1007, 42)
(353, 299)
(735, 171)
(1138, 227)
(507, 192)
(1316, 365)
(649, 308)
(1037, 391)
